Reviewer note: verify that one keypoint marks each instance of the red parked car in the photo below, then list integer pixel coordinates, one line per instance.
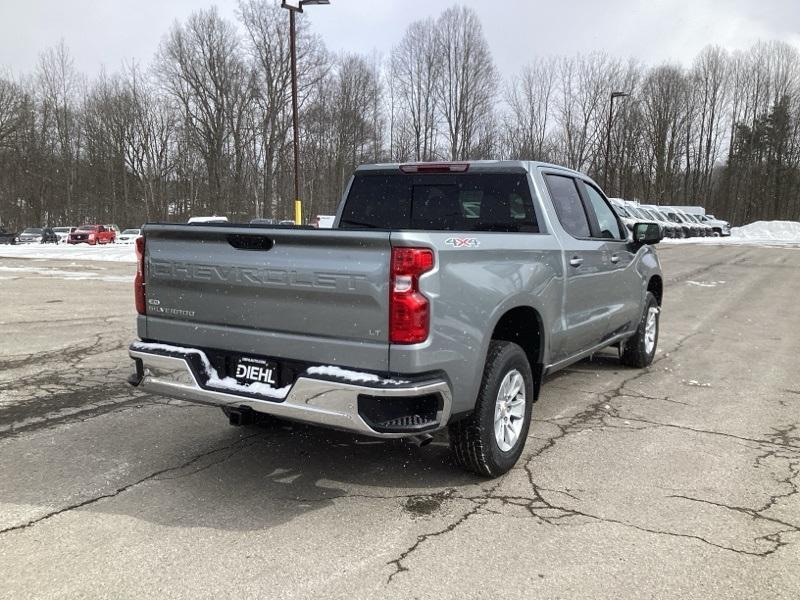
(92, 234)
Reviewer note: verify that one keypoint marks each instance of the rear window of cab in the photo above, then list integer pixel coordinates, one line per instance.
(440, 202)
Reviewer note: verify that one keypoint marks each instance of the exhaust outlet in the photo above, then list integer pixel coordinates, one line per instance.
(420, 441)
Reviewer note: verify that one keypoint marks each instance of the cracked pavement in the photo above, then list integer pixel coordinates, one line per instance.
(678, 481)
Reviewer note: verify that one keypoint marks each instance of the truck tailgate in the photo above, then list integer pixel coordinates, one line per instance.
(269, 290)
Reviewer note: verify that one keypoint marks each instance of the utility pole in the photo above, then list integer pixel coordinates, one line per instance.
(294, 7)
(608, 135)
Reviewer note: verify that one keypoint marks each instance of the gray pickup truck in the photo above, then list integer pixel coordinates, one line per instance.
(441, 298)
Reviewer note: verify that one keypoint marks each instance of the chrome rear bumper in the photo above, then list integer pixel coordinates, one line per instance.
(319, 401)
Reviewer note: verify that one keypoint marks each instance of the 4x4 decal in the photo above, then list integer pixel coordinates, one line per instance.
(463, 242)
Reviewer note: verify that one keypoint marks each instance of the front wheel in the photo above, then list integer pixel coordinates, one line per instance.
(490, 441)
(640, 349)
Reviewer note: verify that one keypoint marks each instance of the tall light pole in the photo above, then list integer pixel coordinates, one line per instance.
(294, 7)
(608, 134)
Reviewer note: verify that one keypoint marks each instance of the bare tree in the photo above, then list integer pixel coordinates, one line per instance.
(267, 42)
(201, 68)
(59, 86)
(207, 129)
(468, 81)
(663, 105)
(527, 123)
(416, 70)
(10, 99)
(585, 87)
(707, 103)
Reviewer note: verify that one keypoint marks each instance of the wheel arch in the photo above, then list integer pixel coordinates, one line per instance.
(656, 287)
(523, 325)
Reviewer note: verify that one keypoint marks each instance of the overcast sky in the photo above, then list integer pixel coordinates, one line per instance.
(107, 32)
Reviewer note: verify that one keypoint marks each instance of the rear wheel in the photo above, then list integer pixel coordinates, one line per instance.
(490, 441)
(640, 349)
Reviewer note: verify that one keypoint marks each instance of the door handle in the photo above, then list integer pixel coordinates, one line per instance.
(576, 261)
(615, 258)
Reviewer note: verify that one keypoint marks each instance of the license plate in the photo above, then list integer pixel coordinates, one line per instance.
(256, 370)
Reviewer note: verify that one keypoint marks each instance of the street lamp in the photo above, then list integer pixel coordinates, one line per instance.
(608, 133)
(296, 6)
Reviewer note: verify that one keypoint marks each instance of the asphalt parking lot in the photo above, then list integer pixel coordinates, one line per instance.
(679, 481)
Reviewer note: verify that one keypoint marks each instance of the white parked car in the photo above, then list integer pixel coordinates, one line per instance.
(628, 219)
(202, 220)
(720, 226)
(129, 236)
(63, 233)
(324, 221)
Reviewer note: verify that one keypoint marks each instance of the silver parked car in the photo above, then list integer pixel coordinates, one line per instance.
(32, 235)
(673, 230)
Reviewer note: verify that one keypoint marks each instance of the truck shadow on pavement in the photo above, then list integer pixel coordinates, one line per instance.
(272, 473)
(268, 474)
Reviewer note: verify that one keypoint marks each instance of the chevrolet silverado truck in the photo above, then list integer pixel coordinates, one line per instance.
(441, 298)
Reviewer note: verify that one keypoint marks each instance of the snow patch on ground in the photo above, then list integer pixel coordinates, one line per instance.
(695, 383)
(108, 252)
(706, 284)
(49, 272)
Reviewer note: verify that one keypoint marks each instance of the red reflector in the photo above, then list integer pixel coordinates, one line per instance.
(138, 282)
(441, 167)
(409, 309)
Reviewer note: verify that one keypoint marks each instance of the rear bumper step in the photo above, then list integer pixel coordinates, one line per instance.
(348, 406)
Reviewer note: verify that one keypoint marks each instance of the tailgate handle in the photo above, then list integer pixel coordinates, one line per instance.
(250, 242)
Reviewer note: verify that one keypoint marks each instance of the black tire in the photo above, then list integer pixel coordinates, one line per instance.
(634, 349)
(472, 439)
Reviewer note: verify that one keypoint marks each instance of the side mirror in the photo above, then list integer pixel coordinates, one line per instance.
(647, 233)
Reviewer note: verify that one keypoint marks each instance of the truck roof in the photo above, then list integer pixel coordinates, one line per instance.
(474, 165)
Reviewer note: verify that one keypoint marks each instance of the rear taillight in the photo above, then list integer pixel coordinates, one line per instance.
(409, 309)
(138, 282)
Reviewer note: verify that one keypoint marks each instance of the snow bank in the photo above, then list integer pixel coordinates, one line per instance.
(772, 231)
(760, 233)
(109, 252)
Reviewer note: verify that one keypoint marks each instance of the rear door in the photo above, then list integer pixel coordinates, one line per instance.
(622, 290)
(586, 305)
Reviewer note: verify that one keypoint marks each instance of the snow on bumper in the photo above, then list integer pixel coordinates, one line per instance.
(326, 396)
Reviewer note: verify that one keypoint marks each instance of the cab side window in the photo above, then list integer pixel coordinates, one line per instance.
(568, 204)
(607, 221)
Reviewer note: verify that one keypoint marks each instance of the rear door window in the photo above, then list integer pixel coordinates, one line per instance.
(440, 202)
(568, 204)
